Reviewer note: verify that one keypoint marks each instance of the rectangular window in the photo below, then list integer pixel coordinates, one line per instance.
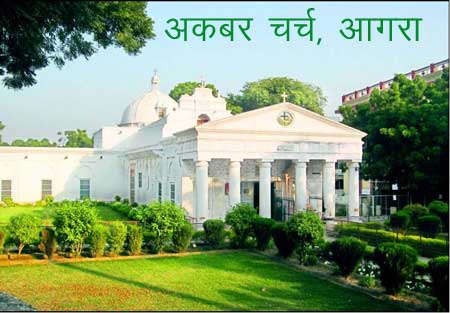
(339, 184)
(6, 189)
(46, 188)
(172, 192)
(140, 180)
(85, 188)
(159, 191)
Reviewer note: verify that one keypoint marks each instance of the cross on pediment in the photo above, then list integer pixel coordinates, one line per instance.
(284, 96)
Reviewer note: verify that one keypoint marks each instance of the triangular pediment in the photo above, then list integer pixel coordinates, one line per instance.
(271, 119)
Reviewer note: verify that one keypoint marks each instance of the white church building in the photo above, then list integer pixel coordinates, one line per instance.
(199, 155)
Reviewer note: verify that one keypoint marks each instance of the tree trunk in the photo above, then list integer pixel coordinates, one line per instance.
(21, 245)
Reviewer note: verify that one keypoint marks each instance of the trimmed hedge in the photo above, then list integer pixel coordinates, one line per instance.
(262, 228)
(283, 240)
(438, 269)
(429, 225)
(214, 233)
(347, 253)
(426, 247)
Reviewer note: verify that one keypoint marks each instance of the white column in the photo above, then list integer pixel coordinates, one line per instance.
(328, 188)
(264, 189)
(353, 189)
(201, 190)
(235, 182)
(301, 196)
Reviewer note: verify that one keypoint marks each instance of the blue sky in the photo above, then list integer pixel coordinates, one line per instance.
(93, 93)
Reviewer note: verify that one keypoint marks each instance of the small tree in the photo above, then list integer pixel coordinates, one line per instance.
(438, 269)
(23, 229)
(182, 236)
(283, 241)
(2, 240)
(399, 222)
(160, 219)
(396, 262)
(214, 232)
(429, 225)
(306, 229)
(415, 211)
(116, 238)
(74, 221)
(48, 242)
(440, 209)
(347, 253)
(262, 228)
(135, 237)
(97, 240)
(240, 218)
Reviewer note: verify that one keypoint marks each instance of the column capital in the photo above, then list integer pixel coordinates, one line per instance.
(265, 163)
(300, 163)
(234, 163)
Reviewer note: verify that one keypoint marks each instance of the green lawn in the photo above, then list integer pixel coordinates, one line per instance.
(218, 281)
(45, 213)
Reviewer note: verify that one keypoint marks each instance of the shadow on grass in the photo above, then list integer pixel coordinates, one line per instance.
(177, 294)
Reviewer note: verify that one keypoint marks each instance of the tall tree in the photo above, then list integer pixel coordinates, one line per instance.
(35, 33)
(407, 141)
(188, 88)
(268, 91)
(75, 139)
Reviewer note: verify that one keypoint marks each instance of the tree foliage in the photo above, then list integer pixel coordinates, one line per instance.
(268, 91)
(30, 142)
(407, 141)
(75, 139)
(188, 88)
(36, 33)
(23, 229)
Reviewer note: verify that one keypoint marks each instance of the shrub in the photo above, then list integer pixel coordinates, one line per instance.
(262, 228)
(347, 253)
(306, 229)
(396, 262)
(440, 209)
(399, 221)
(74, 221)
(23, 229)
(116, 237)
(283, 241)
(214, 232)
(97, 240)
(182, 236)
(429, 225)
(438, 269)
(134, 240)
(415, 211)
(48, 242)
(240, 218)
(126, 201)
(199, 235)
(8, 201)
(117, 198)
(427, 247)
(2, 240)
(311, 260)
(373, 225)
(161, 220)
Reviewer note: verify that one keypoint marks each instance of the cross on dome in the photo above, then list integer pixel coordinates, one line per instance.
(284, 96)
(155, 80)
(202, 81)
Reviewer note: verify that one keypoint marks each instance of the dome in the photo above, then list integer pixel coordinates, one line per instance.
(149, 108)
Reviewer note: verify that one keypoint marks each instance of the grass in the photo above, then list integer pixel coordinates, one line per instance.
(46, 213)
(231, 281)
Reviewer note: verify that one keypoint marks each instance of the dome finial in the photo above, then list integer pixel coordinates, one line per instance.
(202, 81)
(155, 80)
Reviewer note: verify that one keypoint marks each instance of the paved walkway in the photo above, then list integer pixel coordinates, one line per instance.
(10, 303)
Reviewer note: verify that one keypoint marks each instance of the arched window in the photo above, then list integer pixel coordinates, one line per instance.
(202, 119)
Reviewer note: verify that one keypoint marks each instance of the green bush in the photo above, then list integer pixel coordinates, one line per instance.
(429, 225)
(282, 239)
(347, 253)
(440, 209)
(373, 225)
(311, 260)
(117, 198)
(73, 222)
(262, 228)
(97, 240)
(181, 237)
(23, 229)
(214, 232)
(396, 262)
(399, 221)
(199, 235)
(9, 202)
(134, 239)
(116, 237)
(240, 218)
(438, 269)
(2, 240)
(415, 211)
(305, 229)
(48, 242)
(427, 247)
(160, 219)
